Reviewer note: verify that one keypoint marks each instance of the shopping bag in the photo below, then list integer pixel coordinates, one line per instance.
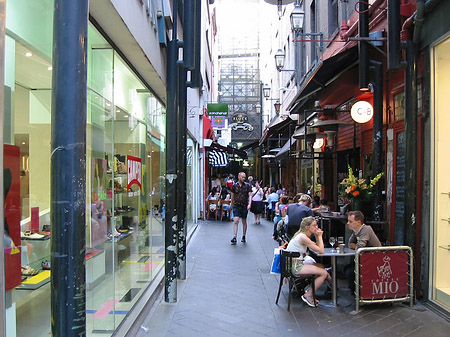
(276, 267)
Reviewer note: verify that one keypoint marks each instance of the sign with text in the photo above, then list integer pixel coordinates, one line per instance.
(134, 172)
(384, 274)
(217, 109)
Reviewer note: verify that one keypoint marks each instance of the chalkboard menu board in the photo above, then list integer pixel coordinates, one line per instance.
(400, 182)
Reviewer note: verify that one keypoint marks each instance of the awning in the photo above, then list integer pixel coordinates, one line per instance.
(207, 128)
(275, 126)
(226, 149)
(323, 74)
(217, 158)
(286, 147)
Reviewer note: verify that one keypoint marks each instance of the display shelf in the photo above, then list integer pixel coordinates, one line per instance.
(93, 254)
(45, 237)
(35, 282)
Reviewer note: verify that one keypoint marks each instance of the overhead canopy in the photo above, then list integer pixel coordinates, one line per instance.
(217, 158)
(226, 149)
(276, 125)
(323, 74)
(286, 147)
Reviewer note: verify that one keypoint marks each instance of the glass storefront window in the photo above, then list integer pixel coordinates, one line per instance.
(441, 231)
(125, 165)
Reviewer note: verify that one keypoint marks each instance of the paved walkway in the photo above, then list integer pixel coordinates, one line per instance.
(230, 292)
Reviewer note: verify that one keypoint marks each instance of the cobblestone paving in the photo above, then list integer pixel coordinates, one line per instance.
(230, 292)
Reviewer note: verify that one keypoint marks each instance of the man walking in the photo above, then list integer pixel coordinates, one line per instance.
(241, 201)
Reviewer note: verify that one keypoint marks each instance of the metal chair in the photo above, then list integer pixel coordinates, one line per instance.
(286, 272)
(225, 208)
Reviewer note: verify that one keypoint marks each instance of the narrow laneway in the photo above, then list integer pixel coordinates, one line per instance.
(230, 292)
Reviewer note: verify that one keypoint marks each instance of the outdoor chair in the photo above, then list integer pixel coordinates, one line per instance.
(225, 208)
(293, 280)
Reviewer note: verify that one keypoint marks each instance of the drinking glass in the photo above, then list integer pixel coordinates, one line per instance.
(340, 240)
(332, 241)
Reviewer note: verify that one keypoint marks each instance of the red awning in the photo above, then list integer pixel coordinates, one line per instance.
(207, 128)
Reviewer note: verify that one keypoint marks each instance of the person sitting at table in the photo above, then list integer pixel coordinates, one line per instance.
(362, 236)
(279, 214)
(323, 207)
(272, 199)
(296, 212)
(316, 202)
(300, 242)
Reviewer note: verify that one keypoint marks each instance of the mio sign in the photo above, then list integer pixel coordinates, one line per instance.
(384, 274)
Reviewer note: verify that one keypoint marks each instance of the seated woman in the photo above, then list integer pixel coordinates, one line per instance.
(279, 208)
(300, 242)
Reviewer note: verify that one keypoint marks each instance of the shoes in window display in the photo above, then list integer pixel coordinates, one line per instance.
(45, 265)
(121, 167)
(28, 271)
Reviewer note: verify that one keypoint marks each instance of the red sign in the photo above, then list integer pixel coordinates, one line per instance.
(384, 274)
(35, 219)
(11, 190)
(134, 172)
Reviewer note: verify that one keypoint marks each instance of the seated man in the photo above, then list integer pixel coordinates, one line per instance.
(362, 236)
(296, 212)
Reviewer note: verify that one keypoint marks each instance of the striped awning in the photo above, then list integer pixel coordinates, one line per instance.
(217, 158)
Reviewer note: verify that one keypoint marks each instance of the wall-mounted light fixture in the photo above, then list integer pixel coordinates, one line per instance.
(279, 61)
(297, 19)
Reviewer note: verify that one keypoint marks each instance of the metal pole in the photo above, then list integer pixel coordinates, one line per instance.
(363, 45)
(411, 149)
(68, 168)
(170, 289)
(394, 28)
(182, 163)
(2, 201)
(378, 135)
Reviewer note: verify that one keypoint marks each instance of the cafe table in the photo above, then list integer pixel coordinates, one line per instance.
(334, 254)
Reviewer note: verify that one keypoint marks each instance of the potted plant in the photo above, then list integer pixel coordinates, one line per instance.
(358, 190)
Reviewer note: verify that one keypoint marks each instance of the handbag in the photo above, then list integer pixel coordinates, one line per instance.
(276, 266)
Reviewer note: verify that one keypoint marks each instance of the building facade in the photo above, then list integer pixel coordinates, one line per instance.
(125, 159)
(405, 84)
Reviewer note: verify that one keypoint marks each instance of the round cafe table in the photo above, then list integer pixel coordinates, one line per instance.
(334, 254)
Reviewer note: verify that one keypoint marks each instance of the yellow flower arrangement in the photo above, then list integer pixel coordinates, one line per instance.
(358, 188)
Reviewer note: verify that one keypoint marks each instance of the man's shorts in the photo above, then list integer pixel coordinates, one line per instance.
(240, 211)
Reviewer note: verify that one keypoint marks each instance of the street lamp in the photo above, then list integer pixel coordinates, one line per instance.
(279, 61)
(297, 18)
(266, 91)
(277, 106)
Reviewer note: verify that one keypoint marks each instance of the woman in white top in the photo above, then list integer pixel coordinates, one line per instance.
(257, 202)
(300, 243)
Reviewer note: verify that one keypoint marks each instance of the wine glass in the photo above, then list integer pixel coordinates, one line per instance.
(332, 241)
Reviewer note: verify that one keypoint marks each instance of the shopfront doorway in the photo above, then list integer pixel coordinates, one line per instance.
(440, 255)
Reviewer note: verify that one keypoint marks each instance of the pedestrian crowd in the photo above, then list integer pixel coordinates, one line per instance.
(295, 224)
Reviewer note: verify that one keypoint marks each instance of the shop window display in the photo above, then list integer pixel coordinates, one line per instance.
(124, 186)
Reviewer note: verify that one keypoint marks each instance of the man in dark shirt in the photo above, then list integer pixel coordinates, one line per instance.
(241, 201)
(296, 213)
